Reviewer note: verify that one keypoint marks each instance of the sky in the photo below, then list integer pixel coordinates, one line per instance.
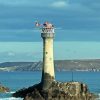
(32, 51)
(74, 20)
(77, 20)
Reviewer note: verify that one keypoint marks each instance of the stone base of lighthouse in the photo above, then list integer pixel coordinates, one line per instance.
(57, 91)
(46, 81)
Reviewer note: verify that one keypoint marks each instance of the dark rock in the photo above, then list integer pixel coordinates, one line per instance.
(3, 89)
(57, 91)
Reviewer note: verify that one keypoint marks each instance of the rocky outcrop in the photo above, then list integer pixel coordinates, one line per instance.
(3, 89)
(57, 91)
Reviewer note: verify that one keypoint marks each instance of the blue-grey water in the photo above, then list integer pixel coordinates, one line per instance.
(18, 80)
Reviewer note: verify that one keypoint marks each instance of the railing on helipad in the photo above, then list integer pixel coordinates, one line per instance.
(47, 32)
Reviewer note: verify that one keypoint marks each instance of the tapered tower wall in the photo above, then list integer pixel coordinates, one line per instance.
(48, 74)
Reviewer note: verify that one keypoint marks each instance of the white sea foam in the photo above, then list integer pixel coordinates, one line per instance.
(11, 92)
(11, 98)
(98, 97)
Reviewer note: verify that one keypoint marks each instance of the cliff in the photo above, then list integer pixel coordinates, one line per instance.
(60, 65)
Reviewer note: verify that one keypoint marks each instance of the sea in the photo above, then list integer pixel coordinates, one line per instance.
(19, 80)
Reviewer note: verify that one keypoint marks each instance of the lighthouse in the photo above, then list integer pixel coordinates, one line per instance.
(48, 74)
(49, 88)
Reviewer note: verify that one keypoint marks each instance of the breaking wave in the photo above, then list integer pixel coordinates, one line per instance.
(11, 98)
(7, 96)
(98, 97)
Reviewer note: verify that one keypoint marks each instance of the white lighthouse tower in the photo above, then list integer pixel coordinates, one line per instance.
(48, 74)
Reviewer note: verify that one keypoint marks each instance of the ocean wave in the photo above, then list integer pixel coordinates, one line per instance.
(7, 96)
(98, 97)
(11, 92)
(11, 98)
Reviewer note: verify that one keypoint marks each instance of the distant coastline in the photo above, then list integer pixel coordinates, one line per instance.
(60, 65)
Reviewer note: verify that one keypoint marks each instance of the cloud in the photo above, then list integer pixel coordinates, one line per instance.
(25, 3)
(11, 54)
(35, 55)
(20, 35)
(15, 2)
(17, 17)
(95, 6)
(59, 4)
(76, 9)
